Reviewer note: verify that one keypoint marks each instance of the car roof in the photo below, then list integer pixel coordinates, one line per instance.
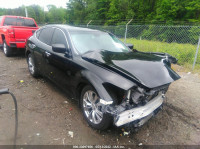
(72, 28)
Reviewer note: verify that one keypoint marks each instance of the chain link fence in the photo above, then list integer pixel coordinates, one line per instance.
(182, 42)
(178, 41)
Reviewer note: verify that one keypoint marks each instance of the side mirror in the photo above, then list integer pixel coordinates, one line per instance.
(59, 48)
(130, 46)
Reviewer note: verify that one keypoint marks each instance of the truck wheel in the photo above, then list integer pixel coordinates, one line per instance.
(92, 110)
(31, 66)
(6, 49)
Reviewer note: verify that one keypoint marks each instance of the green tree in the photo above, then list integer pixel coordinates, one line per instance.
(76, 11)
(55, 15)
(31, 12)
(39, 13)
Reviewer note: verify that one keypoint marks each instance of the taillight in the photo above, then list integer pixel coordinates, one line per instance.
(11, 33)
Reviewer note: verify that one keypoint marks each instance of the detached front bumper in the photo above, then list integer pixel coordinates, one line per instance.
(141, 114)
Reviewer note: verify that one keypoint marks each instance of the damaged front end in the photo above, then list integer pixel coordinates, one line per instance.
(137, 106)
(131, 85)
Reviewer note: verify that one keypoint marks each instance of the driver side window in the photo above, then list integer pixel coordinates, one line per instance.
(45, 35)
(58, 38)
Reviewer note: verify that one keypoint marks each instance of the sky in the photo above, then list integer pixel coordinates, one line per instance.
(43, 3)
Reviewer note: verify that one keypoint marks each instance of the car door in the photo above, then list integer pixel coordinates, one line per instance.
(58, 64)
(42, 45)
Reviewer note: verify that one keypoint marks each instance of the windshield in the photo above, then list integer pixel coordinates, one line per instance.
(85, 41)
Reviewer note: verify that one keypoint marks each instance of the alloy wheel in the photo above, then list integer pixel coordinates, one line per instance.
(92, 107)
(5, 48)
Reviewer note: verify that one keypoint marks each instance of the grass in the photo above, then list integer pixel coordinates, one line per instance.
(185, 53)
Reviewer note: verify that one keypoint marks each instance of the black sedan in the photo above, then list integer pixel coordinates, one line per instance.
(113, 83)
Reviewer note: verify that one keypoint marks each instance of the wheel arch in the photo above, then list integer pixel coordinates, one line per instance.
(79, 89)
(27, 53)
(89, 78)
(2, 37)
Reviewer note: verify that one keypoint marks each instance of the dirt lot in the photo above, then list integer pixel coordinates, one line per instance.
(46, 115)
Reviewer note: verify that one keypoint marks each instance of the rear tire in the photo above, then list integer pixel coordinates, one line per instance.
(31, 66)
(6, 49)
(91, 109)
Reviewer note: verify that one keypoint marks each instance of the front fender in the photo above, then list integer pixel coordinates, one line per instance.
(97, 83)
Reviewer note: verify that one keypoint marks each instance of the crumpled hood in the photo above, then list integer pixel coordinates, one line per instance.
(148, 69)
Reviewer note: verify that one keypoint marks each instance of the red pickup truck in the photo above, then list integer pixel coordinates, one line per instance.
(14, 32)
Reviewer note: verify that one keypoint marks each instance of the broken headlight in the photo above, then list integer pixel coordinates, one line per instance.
(137, 96)
(140, 96)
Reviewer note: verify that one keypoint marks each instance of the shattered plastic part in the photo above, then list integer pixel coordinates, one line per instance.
(105, 102)
(137, 113)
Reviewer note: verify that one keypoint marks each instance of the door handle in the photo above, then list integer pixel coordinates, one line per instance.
(47, 54)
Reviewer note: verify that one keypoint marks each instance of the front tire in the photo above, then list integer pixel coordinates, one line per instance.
(92, 109)
(6, 49)
(31, 66)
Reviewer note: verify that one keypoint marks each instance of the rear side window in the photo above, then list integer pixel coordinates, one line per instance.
(45, 35)
(58, 37)
(10, 21)
(29, 22)
(0, 19)
(19, 22)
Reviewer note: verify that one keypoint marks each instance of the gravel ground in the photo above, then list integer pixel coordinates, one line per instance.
(47, 115)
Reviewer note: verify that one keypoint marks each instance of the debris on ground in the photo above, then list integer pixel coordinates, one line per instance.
(65, 102)
(37, 134)
(140, 144)
(63, 141)
(21, 81)
(71, 134)
(126, 133)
